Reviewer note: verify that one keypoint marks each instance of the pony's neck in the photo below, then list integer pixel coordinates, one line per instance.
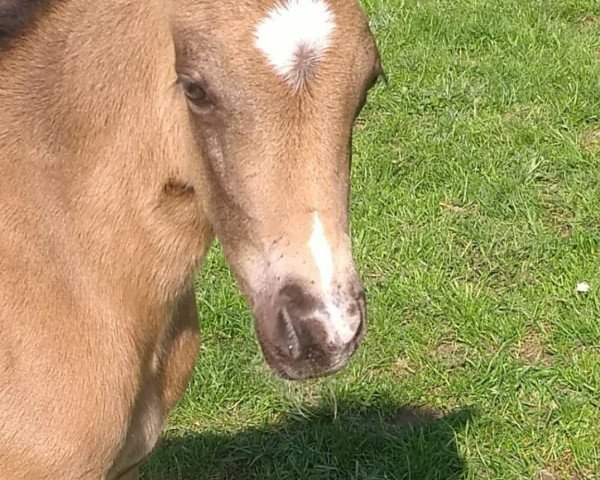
(92, 86)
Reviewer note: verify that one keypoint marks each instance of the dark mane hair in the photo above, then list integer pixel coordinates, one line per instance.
(17, 16)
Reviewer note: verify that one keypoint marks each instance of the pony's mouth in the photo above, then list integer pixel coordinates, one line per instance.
(306, 370)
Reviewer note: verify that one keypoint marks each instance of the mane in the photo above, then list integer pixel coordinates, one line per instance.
(17, 17)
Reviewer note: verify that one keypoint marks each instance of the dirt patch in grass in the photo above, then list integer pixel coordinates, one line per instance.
(590, 140)
(565, 468)
(557, 216)
(402, 367)
(560, 221)
(531, 350)
(449, 206)
(413, 416)
(548, 474)
(450, 354)
(589, 21)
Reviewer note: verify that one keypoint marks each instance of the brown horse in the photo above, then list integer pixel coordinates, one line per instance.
(131, 132)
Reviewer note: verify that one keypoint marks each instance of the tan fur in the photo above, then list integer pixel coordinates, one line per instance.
(110, 194)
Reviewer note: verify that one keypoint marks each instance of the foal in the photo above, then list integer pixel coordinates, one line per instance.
(131, 132)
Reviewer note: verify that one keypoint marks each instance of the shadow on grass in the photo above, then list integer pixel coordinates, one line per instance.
(355, 443)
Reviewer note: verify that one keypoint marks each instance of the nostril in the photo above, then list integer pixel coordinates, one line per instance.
(286, 335)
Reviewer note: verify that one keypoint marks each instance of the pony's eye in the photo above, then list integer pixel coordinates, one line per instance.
(194, 93)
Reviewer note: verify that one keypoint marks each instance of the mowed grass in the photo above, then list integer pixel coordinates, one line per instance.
(475, 214)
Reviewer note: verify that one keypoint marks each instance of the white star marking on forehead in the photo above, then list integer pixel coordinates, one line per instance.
(294, 35)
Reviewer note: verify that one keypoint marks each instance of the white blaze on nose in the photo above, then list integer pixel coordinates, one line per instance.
(323, 258)
(321, 252)
(293, 32)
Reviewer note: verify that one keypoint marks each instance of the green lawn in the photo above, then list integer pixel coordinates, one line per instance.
(475, 213)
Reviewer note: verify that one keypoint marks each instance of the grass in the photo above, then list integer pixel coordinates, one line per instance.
(475, 213)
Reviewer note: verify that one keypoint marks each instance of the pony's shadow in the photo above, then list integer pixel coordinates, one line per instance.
(347, 442)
